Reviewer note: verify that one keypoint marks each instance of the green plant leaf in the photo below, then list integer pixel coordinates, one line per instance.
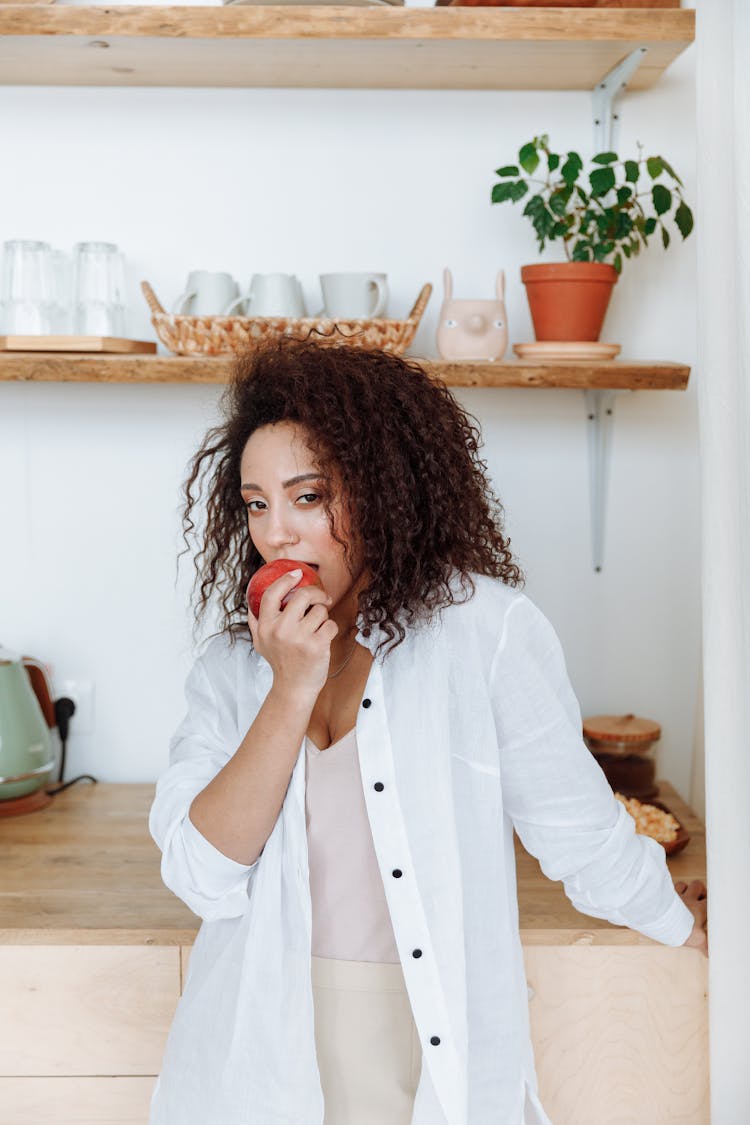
(541, 219)
(632, 171)
(605, 158)
(518, 190)
(623, 225)
(623, 194)
(501, 192)
(507, 170)
(649, 226)
(571, 168)
(604, 223)
(581, 194)
(668, 168)
(602, 181)
(626, 249)
(665, 237)
(557, 203)
(528, 157)
(617, 263)
(553, 161)
(655, 166)
(662, 198)
(683, 217)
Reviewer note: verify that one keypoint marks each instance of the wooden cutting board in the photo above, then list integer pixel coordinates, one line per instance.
(76, 344)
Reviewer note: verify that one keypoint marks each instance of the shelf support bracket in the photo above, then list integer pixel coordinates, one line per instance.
(606, 96)
(600, 409)
(600, 403)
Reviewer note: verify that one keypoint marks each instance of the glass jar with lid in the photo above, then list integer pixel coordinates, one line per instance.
(625, 748)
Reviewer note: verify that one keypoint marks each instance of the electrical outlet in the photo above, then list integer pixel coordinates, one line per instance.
(82, 694)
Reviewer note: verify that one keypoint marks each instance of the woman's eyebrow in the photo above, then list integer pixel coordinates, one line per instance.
(286, 483)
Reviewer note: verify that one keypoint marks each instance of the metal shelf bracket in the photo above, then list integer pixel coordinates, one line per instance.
(600, 411)
(600, 404)
(605, 99)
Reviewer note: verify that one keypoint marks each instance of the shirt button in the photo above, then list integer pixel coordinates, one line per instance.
(434, 1040)
(396, 873)
(366, 702)
(416, 952)
(378, 787)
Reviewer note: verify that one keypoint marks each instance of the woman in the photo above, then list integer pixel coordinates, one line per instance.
(342, 792)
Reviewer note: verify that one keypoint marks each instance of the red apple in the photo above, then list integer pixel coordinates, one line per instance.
(267, 574)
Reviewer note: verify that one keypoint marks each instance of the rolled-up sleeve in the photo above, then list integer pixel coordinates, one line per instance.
(212, 884)
(557, 796)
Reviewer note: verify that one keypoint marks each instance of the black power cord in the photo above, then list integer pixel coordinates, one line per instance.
(64, 710)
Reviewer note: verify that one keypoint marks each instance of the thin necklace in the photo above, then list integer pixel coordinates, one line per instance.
(341, 669)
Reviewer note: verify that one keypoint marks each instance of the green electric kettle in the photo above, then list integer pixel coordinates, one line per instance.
(27, 756)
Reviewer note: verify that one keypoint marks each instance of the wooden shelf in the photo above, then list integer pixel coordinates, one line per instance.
(49, 367)
(335, 47)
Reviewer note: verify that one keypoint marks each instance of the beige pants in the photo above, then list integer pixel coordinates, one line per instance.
(368, 1049)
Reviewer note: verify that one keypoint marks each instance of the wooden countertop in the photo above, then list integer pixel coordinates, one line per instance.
(85, 871)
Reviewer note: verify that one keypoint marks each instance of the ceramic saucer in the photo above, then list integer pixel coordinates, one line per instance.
(567, 349)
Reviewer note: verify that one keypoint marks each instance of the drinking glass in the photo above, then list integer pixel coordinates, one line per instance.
(26, 296)
(98, 289)
(61, 268)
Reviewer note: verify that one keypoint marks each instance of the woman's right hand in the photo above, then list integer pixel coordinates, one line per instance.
(695, 897)
(295, 640)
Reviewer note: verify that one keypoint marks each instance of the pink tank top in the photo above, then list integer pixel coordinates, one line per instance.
(350, 918)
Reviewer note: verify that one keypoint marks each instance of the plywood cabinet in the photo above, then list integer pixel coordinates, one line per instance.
(75, 1101)
(86, 1009)
(94, 950)
(620, 1033)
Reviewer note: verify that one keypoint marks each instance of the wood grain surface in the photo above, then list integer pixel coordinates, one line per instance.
(85, 871)
(53, 367)
(76, 1101)
(620, 1035)
(76, 344)
(648, 4)
(325, 22)
(335, 47)
(84, 1010)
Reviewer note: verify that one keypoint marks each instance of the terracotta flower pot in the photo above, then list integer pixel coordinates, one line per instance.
(568, 300)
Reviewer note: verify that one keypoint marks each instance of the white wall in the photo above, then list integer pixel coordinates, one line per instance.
(309, 181)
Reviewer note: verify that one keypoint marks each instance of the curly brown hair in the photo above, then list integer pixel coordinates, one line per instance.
(406, 454)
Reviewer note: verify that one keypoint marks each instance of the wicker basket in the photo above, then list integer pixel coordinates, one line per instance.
(222, 335)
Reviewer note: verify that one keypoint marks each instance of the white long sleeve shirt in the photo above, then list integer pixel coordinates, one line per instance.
(468, 729)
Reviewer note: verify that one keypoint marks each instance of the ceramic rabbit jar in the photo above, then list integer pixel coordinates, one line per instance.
(469, 329)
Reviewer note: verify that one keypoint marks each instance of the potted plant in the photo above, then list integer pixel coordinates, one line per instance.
(601, 216)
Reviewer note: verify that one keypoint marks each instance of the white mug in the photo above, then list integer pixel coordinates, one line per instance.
(354, 296)
(271, 294)
(206, 294)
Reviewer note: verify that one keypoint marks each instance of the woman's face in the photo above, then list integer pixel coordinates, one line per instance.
(286, 517)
